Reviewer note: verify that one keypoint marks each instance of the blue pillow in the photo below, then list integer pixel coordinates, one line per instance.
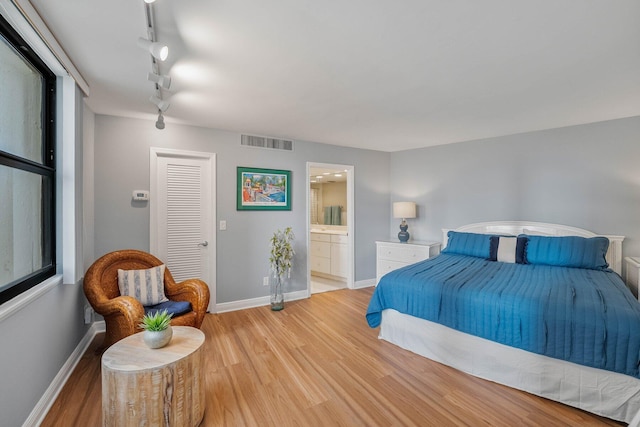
(471, 244)
(173, 307)
(568, 251)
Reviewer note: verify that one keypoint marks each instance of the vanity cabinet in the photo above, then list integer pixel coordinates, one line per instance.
(321, 253)
(329, 254)
(339, 256)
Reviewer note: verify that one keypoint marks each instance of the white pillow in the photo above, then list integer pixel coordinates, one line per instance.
(147, 286)
(507, 249)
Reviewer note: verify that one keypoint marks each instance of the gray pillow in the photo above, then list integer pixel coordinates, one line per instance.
(147, 286)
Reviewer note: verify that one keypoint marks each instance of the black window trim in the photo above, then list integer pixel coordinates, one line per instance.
(46, 168)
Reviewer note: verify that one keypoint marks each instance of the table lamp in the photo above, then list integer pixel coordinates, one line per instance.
(404, 210)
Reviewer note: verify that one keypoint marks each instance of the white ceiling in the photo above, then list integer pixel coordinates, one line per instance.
(327, 176)
(372, 74)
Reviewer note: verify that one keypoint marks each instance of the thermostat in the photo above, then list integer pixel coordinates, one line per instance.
(140, 195)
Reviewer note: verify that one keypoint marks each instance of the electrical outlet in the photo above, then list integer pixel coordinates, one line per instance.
(265, 281)
(88, 315)
(223, 225)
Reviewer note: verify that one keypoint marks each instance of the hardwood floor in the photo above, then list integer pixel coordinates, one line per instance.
(317, 363)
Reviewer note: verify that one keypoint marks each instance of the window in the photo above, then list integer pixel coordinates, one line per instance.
(27, 166)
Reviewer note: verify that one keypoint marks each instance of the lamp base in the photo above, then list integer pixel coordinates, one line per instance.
(403, 236)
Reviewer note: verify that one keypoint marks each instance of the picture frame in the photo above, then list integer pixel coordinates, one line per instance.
(263, 189)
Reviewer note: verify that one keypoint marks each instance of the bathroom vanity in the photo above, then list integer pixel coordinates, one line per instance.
(329, 252)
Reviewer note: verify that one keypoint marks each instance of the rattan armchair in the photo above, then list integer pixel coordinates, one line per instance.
(122, 314)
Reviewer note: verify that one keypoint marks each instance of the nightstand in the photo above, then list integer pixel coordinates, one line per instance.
(393, 255)
(632, 277)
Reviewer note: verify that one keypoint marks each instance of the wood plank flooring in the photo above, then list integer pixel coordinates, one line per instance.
(317, 363)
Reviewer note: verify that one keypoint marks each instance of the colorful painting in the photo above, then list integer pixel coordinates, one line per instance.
(263, 189)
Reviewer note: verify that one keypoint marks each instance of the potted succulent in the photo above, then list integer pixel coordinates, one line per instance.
(157, 328)
(280, 263)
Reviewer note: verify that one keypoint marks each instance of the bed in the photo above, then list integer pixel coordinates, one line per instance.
(528, 312)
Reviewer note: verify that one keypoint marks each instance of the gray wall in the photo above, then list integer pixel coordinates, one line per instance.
(37, 341)
(122, 165)
(585, 176)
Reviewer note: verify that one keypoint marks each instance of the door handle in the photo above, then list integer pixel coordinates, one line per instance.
(205, 244)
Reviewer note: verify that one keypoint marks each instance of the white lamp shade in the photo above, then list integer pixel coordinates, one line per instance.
(404, 210)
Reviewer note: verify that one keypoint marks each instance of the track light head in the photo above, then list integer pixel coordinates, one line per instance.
(158, 50)
(160, 121)
(163, 81)
(160, 103)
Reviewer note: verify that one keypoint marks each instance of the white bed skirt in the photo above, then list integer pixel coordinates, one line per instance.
(605, 393)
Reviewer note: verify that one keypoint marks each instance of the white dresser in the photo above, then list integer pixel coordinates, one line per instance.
(392, 255)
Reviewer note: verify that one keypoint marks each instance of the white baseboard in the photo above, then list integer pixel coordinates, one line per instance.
(257, 302)
(290, 296)
(100, 326)
(46, 401)
(364, 283)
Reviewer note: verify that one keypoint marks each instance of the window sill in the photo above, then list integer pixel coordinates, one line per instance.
(24, 299)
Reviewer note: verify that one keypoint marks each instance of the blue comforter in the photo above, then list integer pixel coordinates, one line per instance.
(583, 316)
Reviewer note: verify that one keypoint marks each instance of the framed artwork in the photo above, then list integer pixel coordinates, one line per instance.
(263, 189)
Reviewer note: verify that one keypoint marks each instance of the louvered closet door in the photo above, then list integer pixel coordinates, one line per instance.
(184, 218)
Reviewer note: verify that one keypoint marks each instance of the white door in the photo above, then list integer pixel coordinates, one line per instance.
(182, 207)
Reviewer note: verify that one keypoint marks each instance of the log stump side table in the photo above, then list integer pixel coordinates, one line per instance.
(161, 387)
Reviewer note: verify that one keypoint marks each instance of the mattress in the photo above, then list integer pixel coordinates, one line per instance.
(605, 393)
(588, 317)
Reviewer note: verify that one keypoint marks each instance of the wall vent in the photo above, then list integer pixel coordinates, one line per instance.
(264, 142)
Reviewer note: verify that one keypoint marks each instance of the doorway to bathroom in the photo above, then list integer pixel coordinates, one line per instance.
(330, 227)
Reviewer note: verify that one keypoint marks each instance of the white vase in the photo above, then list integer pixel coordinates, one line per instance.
(157, 339)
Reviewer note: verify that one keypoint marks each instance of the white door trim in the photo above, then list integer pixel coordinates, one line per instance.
(350, 219)
(157, 153)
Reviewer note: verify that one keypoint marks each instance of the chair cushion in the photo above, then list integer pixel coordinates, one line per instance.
(147, 286)
(173, 307)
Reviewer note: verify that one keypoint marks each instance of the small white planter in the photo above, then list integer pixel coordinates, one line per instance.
(157, 339)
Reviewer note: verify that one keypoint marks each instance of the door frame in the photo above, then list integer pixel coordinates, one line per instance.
(155, 154)
(350, 171)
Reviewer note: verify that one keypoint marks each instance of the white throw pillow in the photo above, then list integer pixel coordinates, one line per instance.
(507, 249)
(147, 286)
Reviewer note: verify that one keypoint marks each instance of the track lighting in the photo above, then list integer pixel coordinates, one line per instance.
(160, 122)
(163, 81)
(160, 103)
(158, 50)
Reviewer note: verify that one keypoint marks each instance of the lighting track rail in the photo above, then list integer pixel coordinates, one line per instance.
(157, 52)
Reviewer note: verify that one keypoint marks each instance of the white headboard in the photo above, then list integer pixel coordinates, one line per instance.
(614, 254)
